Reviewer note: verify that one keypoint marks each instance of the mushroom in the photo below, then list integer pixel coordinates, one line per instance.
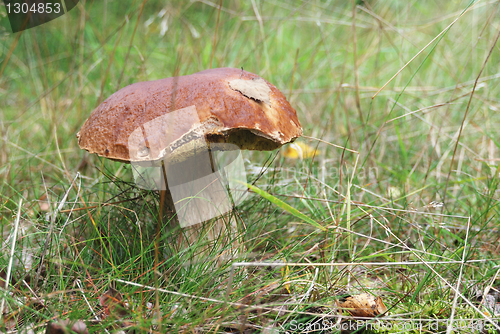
(183, 136)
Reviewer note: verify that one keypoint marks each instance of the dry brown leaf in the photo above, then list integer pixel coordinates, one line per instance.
(363, 305)
(44, 203)
(113, 305)
(255, 88)
(66, 326)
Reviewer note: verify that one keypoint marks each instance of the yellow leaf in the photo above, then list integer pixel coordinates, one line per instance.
(299, 150)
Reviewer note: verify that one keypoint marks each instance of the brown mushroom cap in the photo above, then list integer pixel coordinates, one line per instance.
(225, 105)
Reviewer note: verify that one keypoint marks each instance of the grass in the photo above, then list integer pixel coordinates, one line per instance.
(407, 205)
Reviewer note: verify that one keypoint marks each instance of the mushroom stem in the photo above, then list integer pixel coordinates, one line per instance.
(219, 233)
(213, 235)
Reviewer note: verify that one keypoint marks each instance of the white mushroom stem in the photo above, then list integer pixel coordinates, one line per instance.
(190, 219)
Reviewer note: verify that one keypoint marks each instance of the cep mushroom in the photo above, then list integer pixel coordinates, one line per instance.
(171, 129)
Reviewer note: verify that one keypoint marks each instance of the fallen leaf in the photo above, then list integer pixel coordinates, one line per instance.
(44, 203)
(363, 305)
(113, 305)
(66, 326)
(299, 150)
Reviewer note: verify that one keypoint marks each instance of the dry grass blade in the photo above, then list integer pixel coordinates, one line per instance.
(11, 257)
(459, 280)
(462, 125)
(48, 240)
(425, 47)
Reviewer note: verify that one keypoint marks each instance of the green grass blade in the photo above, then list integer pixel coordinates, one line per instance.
(284, 206)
